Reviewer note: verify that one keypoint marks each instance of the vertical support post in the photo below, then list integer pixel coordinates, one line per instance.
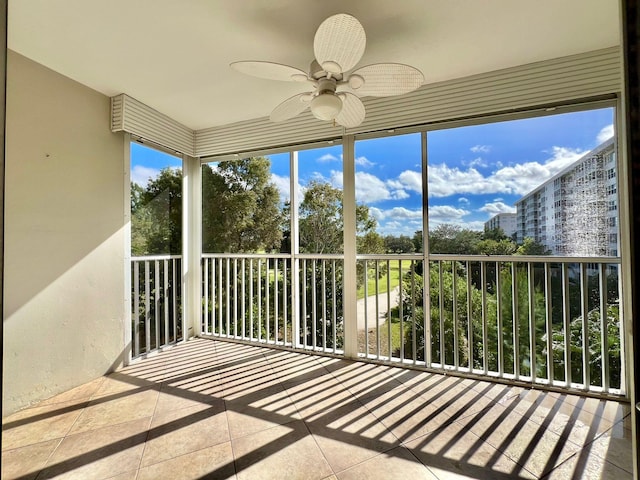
(126, 358)
(628, 208)
(350, 276)
(191, 244)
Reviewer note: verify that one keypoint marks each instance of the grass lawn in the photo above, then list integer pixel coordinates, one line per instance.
(393, 274)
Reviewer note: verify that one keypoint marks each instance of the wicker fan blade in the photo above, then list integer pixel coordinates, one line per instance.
(339, 43)
(270, 71)
(290, 107)
(352, 113)
(386, 79)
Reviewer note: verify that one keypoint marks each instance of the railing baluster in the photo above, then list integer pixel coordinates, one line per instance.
(515, 320)
(485, 335)
(304, 304)
(469, 317)
(174, 297)
(413, 311)
(212, 294)
(275, 300)
(228, 295)
(136, 308)
(388, 310)
(548, 318)
(499, 322)
(566, 324)
(377, 290)
(243, 312)
(205, 306)
(532, 322)
(220, 299)
(147, 308)
(401, 313)
(441, 311)
(235, 297)
(267, 301)
(334, 316)
(259, 285)
(454, 281)
(156, 302)
(324, 306)
(251, 329)
(285, 302)
(314, 312)
(366, 309)
(166, 301)
(604, 323)
(584, 295)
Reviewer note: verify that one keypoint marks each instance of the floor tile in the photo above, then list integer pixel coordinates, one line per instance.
(38, 424)
(214, 462)
(26, 462)
(588, 467)
(286, 451)
(127, 406)
(454, 452)
(260, 411)
(615, 446)
(398, 460)
(183, 431)
(405, 413)
(99, 454)
(350, 435)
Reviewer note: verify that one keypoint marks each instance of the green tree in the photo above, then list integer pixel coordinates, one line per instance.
(156, 215)
(399, 244)
(495, 247)
(453, 239)
(240, 207)
(496, 234)
(531, 247)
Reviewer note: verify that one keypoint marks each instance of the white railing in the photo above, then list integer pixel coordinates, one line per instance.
(156, 302)
(558, 324)
(251, 297)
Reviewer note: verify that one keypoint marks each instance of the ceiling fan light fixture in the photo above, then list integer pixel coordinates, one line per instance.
(326, 106)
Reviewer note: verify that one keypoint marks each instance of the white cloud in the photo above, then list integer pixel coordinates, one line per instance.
(411, 180)
(141, 175)
(327, 157)
(446, 213)
(517, 179)
(480, 149)
(493, 208)
(463, 200)
(478, 162)
(283, 184)
(364, 162)
(605, 134)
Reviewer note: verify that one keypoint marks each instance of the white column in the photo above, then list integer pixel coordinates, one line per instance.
(191, 245)
(349, 293)
(126, 357)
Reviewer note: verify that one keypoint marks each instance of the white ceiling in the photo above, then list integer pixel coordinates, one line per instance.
(174, 55)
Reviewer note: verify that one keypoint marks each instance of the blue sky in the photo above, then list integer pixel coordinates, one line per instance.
(474, 172)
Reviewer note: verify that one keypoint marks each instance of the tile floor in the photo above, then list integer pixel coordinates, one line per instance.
(211, 409)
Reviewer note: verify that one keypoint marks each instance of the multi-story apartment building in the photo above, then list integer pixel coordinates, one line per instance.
(575, 213)
(505, 221)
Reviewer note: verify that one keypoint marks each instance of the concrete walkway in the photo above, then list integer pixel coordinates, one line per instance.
(385, 302)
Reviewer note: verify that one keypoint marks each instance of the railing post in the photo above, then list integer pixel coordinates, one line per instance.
(191, 245)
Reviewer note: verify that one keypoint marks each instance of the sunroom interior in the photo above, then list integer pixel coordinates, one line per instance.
(255, 331)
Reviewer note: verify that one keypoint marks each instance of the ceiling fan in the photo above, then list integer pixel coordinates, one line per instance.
(338, 46)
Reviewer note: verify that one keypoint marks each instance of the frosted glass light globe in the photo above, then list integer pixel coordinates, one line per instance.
(326, 106)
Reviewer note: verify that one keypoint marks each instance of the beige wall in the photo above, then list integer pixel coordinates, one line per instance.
(64, 244)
